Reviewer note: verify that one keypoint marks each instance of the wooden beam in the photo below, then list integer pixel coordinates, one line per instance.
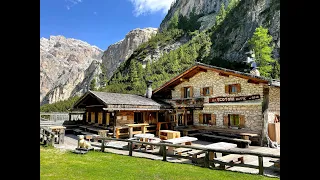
(223, 74)
(183, 80)
(252, 81)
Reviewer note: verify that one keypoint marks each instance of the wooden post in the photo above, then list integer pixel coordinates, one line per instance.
(164, 152)
(117, 133)
(130, 131)
(52, 140)
(130, 148)
(206, 160)
(143, 129)
(102, 145)
(260, 158)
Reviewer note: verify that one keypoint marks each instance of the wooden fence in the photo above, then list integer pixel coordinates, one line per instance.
(46, 136)
(207, 163)
(60, 116)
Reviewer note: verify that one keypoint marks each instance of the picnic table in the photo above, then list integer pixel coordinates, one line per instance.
(141, 125)
(219, 145)
(181, 140)
(144, 137)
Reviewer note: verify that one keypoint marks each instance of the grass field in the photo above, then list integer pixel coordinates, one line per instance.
(56, 164)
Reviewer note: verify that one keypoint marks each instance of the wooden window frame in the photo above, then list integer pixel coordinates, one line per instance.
(206, 118)
(233, 119)
(183, 90)
(206, 91)
(230, 87)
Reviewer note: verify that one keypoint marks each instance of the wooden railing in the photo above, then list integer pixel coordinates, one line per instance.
(207, 162)
(46, 136)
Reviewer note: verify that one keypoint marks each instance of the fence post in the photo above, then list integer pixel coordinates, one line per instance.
(102, 145)
(164, 152)
(260, 158)
(51, 139)
(206, 159)
(130, 148)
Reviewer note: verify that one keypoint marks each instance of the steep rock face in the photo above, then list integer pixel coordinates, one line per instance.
(208, 8)
(122, 50)
(64, 64)
(231, 38)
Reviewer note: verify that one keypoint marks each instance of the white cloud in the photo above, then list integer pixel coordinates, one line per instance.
(71, 3)
(142, 7)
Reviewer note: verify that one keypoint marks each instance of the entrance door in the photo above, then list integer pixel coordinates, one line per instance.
(180, 120)
(189, 119)
(138, 117)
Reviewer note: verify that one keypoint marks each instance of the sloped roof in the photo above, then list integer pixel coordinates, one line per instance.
(204, 67)
(130, 99)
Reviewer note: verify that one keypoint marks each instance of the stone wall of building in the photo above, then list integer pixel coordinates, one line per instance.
(218, 82)
(274, 103)
(252, 115)
(124, 117)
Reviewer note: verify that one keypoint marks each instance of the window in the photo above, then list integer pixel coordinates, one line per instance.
(209, 119)
(206, 91)
(234, 120)
(206, 118)
(187, 92)
(233, 88)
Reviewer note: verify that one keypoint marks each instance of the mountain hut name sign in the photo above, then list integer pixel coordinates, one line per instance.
(233, 99)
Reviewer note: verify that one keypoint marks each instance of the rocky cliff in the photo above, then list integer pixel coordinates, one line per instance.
(66, 67)
(208, 9)
(122, 50)
(230, 40)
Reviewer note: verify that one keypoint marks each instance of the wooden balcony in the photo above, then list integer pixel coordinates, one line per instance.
(186, 102)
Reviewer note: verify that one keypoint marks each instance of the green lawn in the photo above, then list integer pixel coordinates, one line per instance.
(56, 164)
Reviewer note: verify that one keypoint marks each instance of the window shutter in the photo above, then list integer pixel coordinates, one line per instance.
(182, 92)
(107, 118)
(225, 120)
(242, 121)
(191, 91)
(227, 89)
(93, 115)
(213, 119)
(200, 118)
(201, 91)
(211, 90)
(99, 117)
(238, 88)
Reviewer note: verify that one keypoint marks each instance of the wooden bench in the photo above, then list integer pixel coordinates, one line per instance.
(241, 143)
(77, 131)
(231, 158)
(276, 162)
(195, 155)
(179, 151)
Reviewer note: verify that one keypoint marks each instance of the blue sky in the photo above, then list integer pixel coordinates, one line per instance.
(99, 22)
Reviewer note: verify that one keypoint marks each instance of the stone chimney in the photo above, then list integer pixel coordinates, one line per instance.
(255, 72)
(149, 89)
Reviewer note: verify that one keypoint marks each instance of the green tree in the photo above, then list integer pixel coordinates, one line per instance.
(173, 23)
(93, 84)
(221, 16)
(261, 45)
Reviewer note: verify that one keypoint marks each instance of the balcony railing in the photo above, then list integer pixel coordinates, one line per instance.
(186, 102)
